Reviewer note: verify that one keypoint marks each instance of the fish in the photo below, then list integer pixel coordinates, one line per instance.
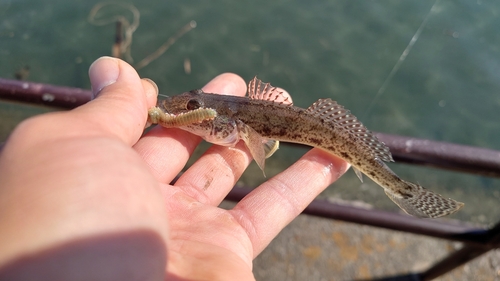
(264, 117)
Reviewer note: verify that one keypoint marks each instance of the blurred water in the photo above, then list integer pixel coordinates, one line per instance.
(446, 88)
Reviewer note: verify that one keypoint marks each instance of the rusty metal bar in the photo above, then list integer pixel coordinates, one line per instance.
(464, 255)
(38, 93)
(443, 155)
(454, 260)
(467, 253)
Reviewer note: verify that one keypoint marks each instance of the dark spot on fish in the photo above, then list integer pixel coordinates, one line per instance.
(407, 188)
(331, 149)
(315, 141)
(405, 195)
(372, 174)
(267, 131)
(345, 155)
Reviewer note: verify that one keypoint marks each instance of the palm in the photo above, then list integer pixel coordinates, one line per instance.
(208, 232)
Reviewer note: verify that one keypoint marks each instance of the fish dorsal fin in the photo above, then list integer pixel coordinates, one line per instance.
(258, 90)
(332, 112)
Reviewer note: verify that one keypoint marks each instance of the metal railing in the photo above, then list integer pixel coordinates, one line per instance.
(477, 241)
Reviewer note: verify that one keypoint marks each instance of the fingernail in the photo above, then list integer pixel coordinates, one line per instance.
(153, 84)
(103, 72)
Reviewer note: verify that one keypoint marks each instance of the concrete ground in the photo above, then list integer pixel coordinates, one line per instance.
(313, 248)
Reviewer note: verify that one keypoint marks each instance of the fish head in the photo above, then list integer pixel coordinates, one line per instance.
(182, 103)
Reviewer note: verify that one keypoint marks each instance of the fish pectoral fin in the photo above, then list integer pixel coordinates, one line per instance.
(270, 147)
(358, 173)
(255, 143)
(420, 202)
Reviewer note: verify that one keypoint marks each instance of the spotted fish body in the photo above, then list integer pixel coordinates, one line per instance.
(265, 117)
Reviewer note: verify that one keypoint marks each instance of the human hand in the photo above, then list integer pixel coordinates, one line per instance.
(84, 197)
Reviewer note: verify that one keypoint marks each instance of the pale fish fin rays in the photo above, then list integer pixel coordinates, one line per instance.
(270, 147)
(254, 143)
(258, 90)
(358, 173)
(420, 202)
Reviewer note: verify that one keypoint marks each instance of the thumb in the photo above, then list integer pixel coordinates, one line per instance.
(121, 100)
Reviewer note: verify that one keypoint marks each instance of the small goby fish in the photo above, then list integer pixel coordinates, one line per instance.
(264, 117)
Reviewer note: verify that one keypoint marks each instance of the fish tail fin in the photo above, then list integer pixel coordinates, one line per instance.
(420, 202)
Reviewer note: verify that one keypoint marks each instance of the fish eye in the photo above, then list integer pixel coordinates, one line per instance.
(193, 104)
